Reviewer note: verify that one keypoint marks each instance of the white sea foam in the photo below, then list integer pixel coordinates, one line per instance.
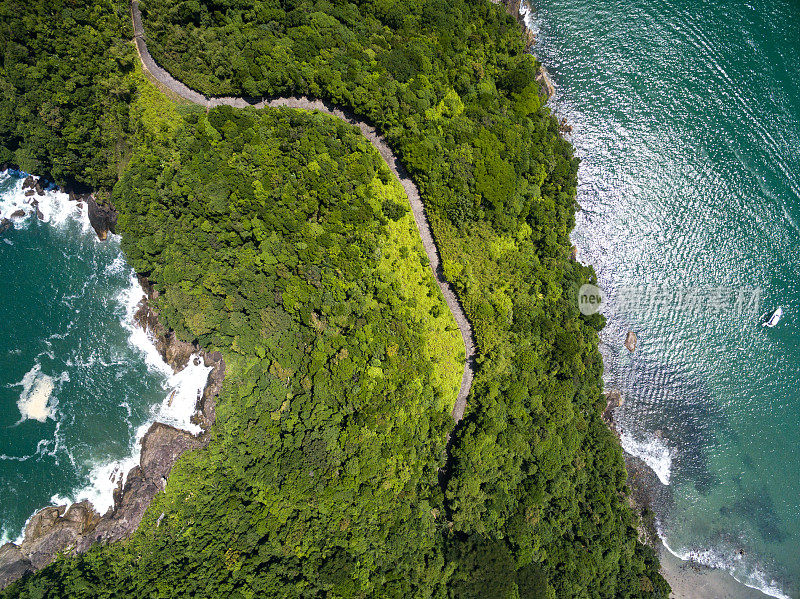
(117, 266)
(736, 567)
(36, 401)
(16, 458)
(527, 16)
(130, 298)
(653, 451)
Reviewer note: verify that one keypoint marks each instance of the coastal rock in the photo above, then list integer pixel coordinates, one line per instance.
(530, 39)
(5, 225)
(149, 289)
(161, 447)
(543, 77)
(130, 504)
(630, 341)
(13, 564)
(613, 401)
(207, 405)
(102, 217)
(18, 213)
(175, 352)
(56, 529)
(33, 185)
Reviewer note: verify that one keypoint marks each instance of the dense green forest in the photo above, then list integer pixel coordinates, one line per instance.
(281, 239)
(64, 89)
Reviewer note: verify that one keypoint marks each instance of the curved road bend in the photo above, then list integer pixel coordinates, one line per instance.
(305, 103)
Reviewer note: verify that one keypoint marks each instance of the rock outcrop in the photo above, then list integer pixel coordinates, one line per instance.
(13, 564)
(530, 39)
(77, 527)
(543, 77)
(613, 401)
(102, 217)
(55, 529)
(630, 341)
(33, 185)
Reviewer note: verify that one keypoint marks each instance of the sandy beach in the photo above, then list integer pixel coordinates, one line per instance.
(693, 581)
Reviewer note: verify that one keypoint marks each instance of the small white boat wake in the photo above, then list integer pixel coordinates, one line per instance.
(774, 318)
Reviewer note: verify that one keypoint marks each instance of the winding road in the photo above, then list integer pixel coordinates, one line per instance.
(305, 103)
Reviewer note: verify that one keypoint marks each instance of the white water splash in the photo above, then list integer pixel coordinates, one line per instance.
(54, 207)
(653, 451)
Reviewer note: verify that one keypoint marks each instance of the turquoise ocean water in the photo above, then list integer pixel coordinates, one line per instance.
(686, 115)
(79, 384)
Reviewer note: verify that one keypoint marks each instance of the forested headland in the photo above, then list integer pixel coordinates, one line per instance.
(281, 239)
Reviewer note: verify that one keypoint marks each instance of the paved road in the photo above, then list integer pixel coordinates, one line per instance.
(302, 102)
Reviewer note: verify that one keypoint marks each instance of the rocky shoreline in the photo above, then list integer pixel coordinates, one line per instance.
(645, 488)
(102, 214)
(75, 528)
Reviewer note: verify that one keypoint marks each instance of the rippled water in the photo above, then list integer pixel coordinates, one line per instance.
(686, 116)
(78, 383)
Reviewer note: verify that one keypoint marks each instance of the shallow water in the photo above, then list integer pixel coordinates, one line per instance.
(686, 116)
(79, 384)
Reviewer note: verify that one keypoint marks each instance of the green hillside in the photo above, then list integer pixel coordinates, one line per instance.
(280, 238)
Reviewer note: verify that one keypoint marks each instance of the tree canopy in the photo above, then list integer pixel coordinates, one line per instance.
(280, 238)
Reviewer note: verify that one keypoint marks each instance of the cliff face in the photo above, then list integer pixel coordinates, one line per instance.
(103, 217)
(77, 527)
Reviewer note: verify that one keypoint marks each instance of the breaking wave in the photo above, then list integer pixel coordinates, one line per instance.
(653, 451)
(737, 567)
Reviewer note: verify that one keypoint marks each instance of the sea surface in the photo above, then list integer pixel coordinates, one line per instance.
(79, 383)
(686, 115)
